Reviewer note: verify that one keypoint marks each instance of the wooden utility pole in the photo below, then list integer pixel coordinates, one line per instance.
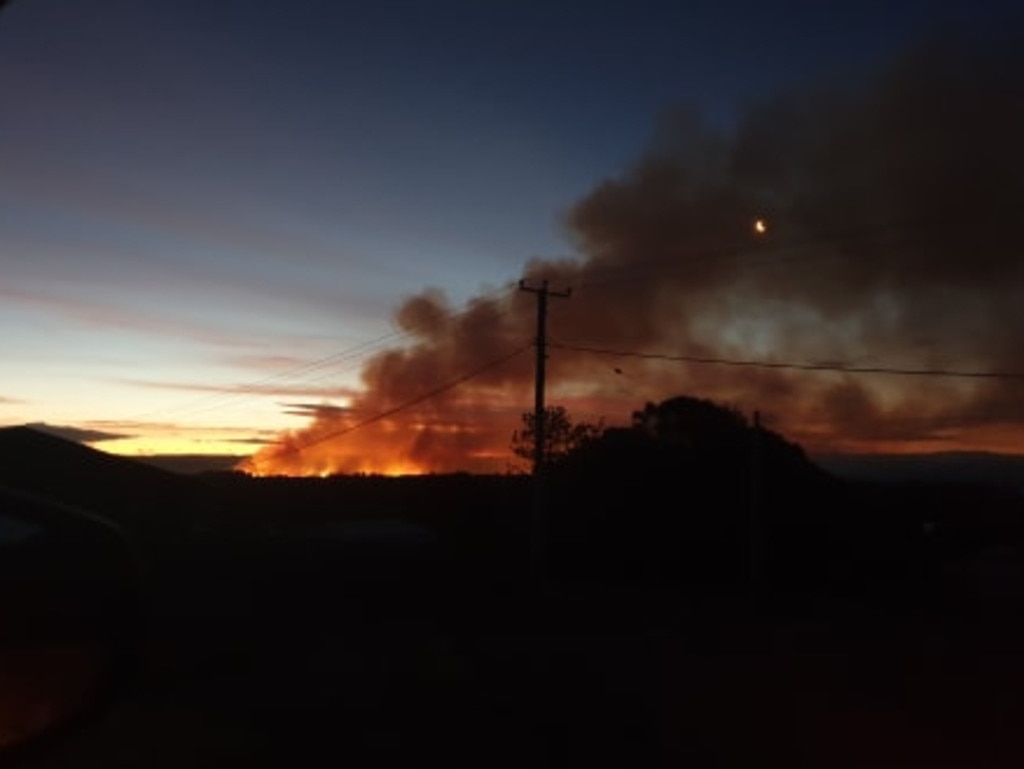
(539, 413)
(754, 520)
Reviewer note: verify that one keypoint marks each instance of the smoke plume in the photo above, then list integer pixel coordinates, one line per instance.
(892, 212)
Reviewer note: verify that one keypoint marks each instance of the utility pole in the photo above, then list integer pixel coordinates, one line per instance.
(754, 520)
(543, 293)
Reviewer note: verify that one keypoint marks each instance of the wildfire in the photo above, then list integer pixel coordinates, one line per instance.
(455, 442)
(332, 460)
(903, 296)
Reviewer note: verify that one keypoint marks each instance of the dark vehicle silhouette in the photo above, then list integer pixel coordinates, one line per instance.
(70, 620)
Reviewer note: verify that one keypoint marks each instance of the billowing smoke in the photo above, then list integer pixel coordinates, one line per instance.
(894, 238)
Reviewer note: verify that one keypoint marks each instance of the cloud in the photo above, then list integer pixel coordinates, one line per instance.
(254, 441)
(76, 434)
(244, 390)
(316, 410)
(118, 311)
(95, 314)
(893, 228)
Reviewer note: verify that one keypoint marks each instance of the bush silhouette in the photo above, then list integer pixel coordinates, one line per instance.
(673, 495)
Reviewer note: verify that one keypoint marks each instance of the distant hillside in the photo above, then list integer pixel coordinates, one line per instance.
(193, 464)
(1000, 470)
(143, 499)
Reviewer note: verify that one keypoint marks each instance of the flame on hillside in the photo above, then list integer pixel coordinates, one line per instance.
(384, 448)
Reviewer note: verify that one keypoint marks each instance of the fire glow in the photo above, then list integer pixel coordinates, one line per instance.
(386, 447)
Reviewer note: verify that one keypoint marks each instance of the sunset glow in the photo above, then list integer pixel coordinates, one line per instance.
(387, 448)
(197, 444)
(294, 236)
(398, 450)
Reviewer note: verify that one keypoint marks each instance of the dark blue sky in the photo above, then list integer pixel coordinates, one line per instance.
(195, 194)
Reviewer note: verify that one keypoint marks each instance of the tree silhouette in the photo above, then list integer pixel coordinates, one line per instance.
(673, 495)
(562, 435)
(693, 423)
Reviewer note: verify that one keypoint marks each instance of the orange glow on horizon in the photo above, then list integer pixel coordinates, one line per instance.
(193, 443)
(476, 438)
(386, 447)
(394, 449)
(261, 467)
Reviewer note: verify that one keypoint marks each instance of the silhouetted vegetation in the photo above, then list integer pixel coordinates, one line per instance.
(673, 496)
(562, 435)
(692, 493)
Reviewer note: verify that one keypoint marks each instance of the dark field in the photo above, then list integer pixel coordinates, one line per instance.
(415, 635)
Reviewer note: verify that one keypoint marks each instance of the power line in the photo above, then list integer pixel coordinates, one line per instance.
(793, 366)
(226, 396)
(409, 403)
(763, 250)
(759, 248)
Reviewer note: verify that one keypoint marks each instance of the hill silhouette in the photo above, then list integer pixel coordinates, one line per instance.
(153, 505)
(999, 470)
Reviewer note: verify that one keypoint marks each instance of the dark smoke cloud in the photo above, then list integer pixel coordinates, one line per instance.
(895, 210)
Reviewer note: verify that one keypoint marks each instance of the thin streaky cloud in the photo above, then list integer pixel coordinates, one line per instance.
(131, 426)
(288, 391)
(106, 316)
(313, 409)
(76, 434)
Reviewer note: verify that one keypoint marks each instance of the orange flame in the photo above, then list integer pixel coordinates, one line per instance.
(412, 446)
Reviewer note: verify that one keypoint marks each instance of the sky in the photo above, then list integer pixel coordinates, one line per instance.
(234, 227)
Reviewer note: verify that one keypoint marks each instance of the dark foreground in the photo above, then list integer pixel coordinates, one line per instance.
(298, 653)
(888, 633)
